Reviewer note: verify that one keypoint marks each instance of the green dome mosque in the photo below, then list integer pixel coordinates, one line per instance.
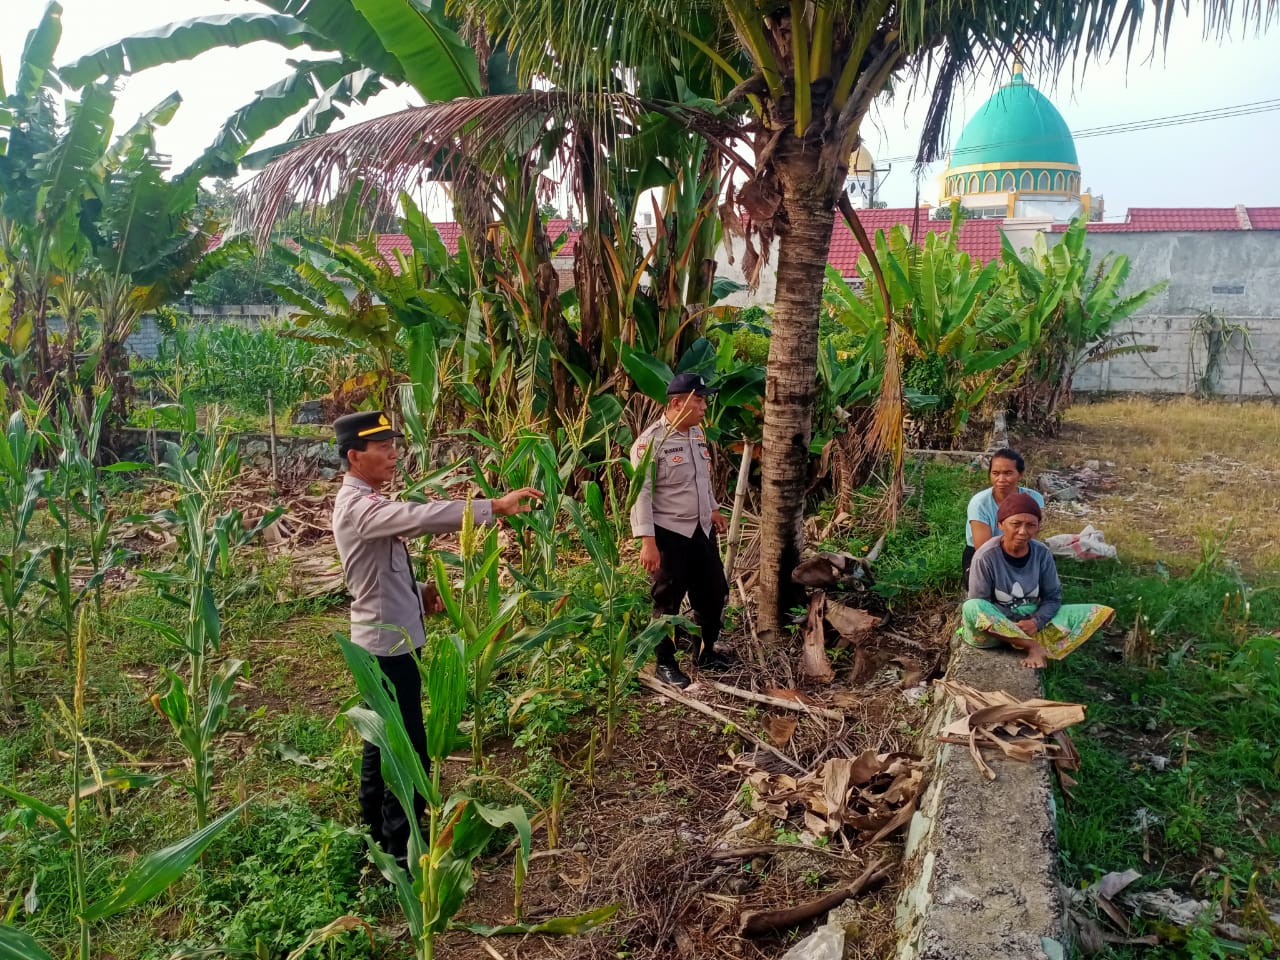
(1016, 158)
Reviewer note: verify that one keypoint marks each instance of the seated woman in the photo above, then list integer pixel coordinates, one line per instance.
(1015, 596)
(1007, 467)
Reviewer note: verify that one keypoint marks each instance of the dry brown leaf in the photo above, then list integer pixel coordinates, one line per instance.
(836, 776)
(780, 729)
(851, 623)
(814, 662)
(866, 766)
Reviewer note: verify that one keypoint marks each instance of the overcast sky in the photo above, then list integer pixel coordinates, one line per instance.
(1221, 162)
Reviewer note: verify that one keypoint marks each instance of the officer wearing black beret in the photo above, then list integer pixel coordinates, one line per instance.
(371, 531)
(676, 517)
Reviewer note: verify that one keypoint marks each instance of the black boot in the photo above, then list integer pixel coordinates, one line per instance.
(711, 659)
(672, 674)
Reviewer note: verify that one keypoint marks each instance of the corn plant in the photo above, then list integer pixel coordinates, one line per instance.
(201, 471)
(482, 615)
(611, 620)
(440, 872)
(149, 876)
(22, 485)
(77, 502)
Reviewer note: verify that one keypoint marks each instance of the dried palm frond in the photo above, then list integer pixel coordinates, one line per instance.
(470, 142)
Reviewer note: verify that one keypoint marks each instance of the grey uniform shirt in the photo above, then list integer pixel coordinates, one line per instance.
(676, 491)
(1031, 590)
(371, 531)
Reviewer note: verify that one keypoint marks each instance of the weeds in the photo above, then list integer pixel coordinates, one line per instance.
(1178, 756)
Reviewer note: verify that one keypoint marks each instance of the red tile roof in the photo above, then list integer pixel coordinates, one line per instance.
(450, 232)
(979, 238)
(1189, 220)
(1264, 218)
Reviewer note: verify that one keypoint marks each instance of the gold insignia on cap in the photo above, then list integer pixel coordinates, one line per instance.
(383, 425)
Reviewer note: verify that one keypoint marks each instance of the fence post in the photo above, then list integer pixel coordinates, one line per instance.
(271, 441)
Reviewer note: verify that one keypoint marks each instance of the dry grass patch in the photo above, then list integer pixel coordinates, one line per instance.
(1188, 469)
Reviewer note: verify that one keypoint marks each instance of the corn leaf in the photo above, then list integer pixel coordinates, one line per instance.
(157, 871)
(16, 945)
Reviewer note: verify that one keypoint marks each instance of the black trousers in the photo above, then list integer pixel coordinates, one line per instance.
(690, 566)
(966, 561)
(379, 807)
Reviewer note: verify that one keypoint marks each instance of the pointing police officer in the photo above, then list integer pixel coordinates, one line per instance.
(676, 518)
(371, 533)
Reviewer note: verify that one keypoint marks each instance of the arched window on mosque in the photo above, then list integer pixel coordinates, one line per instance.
(989, 183)
(1044, 181)
(1007, 182)
(1028, 182)
(1059, 183)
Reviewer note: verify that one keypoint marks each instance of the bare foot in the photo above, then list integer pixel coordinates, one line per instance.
(1035, 657)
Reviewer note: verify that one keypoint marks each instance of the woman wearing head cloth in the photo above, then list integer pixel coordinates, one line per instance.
(1015, 596)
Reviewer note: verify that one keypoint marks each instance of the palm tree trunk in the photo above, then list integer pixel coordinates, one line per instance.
(791, 383)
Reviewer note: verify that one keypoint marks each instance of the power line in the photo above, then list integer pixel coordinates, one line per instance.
(1131, 126)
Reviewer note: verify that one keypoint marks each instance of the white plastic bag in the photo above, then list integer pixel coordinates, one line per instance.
(1088, 544)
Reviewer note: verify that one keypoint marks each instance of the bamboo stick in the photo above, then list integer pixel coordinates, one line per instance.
(775, 701)
(735, 519)
(751, 625)
(271, 424)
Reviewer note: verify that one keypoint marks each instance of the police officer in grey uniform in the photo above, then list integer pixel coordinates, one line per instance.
(371, 532)
(676, 517)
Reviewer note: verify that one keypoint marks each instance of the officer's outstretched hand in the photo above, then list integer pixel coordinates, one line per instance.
(431, 602)
(517, 501)
(650, 559)
(720, 522)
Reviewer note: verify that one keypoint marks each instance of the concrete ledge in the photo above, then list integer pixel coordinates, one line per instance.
(981, 858)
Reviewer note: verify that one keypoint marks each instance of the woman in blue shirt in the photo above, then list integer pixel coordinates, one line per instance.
(1007, 467)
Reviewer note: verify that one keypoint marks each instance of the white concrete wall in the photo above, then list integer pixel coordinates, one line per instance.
(1235, 274)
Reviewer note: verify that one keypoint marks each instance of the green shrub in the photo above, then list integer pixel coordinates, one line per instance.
(287, 873)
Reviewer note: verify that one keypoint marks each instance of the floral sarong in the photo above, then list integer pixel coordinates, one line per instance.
(1073, 624)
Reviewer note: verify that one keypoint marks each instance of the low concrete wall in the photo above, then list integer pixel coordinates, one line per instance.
(981, 857)
(254, 448)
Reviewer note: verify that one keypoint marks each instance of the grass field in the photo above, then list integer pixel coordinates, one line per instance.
(1181, 748)
(1189, 471)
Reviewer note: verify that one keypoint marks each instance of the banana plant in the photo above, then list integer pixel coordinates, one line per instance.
(378, 44)
(48, 169)
(953, 324)
(200, 469)
(1073, 308)
(22, 485)
(150, 874)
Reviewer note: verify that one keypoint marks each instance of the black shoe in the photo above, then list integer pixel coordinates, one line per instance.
(670, 673)
(714, 661)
